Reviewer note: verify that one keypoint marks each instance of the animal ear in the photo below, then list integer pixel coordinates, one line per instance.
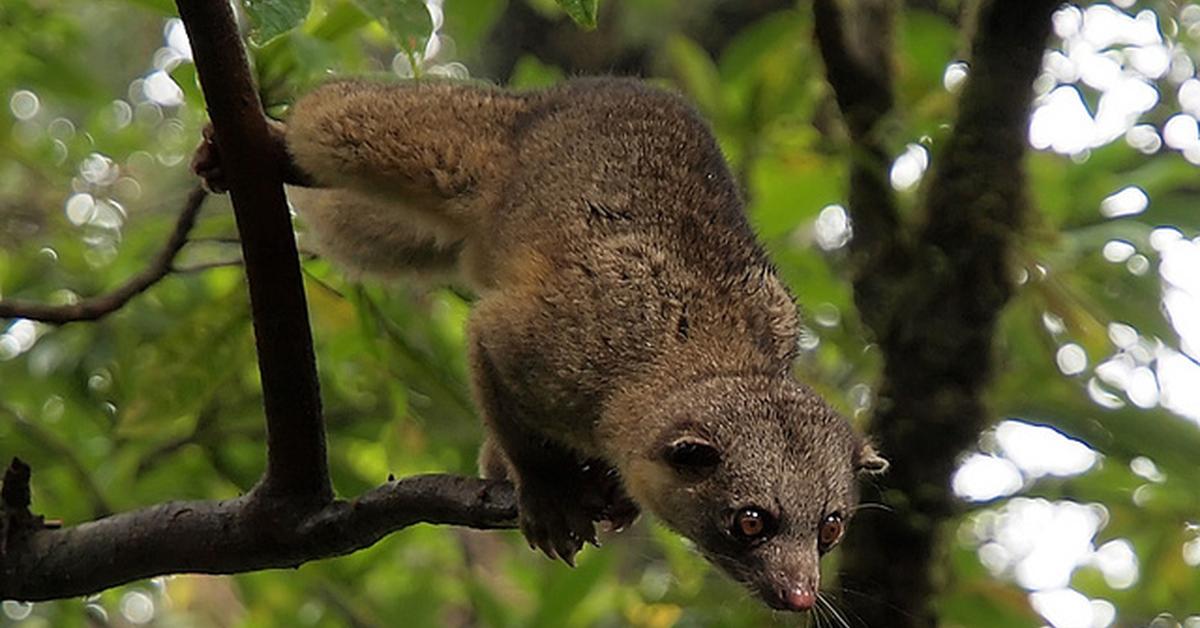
(868, 461)
(692, 456)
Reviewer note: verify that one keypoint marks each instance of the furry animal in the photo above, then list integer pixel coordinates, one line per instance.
(632, 344)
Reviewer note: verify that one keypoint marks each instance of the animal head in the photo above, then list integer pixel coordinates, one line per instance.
(761, 474)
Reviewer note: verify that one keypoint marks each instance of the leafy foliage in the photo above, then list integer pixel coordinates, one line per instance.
(582, 11)
(273, 18)
(407, 21)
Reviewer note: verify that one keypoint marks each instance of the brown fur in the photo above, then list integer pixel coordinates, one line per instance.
(624, 304)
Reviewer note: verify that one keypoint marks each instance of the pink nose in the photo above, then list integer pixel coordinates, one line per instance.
(801, 599)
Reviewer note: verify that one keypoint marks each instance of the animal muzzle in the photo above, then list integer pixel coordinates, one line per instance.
(799, 598)
(793, 594)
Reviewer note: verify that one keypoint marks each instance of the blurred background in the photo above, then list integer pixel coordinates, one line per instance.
(1081, 506)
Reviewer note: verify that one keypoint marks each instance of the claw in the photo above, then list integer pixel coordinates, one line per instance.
(568, 550)
(547, 548)
(559, 523)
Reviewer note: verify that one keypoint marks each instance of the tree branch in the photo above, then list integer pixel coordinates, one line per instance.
(290, 517)
(254, 167)
(857, 54)
(937, 342)
(95, 308)
(981, 164)
(977, 201)
(857, 50)
(250, 533)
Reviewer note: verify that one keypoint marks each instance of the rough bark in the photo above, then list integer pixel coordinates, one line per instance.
(858, 67)
(932, 291)
(249, 533)
(296, 463)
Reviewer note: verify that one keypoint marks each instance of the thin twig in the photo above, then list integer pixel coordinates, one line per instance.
(321, 283)
(229, 263)
(206, 266)
(95, 308)
(217, 240)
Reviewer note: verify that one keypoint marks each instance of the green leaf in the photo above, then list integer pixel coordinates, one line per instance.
(272, 18)
(469, 22)
(697, 73)
(531, 72)
(582, 11)
(340, 20)
(755, 45)
(407, 21)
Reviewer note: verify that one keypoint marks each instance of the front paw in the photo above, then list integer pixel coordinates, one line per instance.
(206, 163)
(554, 519)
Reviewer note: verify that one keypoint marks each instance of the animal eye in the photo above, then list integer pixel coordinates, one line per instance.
(830, 532)
(751, 524)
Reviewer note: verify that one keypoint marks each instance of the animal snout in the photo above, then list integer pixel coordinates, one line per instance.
(800, 598)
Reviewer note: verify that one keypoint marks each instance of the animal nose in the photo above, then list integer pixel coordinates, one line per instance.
(800, 598)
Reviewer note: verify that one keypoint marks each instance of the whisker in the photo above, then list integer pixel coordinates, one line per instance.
(820, 608)
(874, 506)
(857, 618)
(829, 607)
(878, 600)
(841, 616)
(817, 614)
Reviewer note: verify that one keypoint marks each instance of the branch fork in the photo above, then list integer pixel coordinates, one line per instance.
(291, 516)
